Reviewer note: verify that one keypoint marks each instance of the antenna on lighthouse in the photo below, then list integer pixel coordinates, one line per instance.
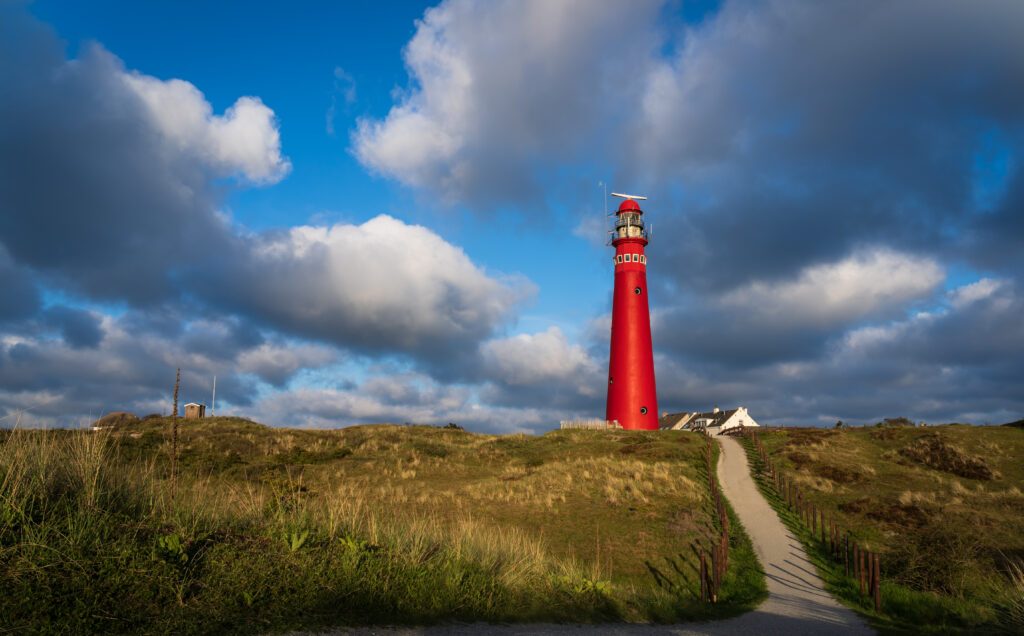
(635, 197)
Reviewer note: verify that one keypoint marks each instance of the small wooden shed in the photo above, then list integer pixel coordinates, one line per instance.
(195, 411)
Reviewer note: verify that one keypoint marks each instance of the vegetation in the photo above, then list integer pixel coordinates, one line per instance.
(275, 529)
(943, 505)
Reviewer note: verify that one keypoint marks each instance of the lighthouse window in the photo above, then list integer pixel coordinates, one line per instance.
(637, 291)
(643, 410)
(643, 259)
(618, 259)
(636, 258)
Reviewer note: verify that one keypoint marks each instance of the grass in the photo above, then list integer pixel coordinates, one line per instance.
(943, 506)
(280, 529)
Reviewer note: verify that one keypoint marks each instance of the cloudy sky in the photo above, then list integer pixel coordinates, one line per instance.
(368, 212)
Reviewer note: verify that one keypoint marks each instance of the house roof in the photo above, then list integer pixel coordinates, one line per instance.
(717, 419)
(193, 404)
(668, 420)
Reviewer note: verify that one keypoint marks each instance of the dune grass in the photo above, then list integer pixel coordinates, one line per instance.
(278, 529)
(942, 505)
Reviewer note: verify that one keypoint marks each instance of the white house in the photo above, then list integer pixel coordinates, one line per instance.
(716, 418)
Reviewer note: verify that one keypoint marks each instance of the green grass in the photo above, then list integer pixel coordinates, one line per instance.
(279, 529)
(949, 543)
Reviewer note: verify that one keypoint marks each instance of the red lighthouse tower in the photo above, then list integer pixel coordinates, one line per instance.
(632, 399)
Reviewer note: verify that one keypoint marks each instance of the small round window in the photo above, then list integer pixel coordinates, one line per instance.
(609, 380)
(637, 291)
(643, 410)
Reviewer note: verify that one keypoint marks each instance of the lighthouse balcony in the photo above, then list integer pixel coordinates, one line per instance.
(629, 226)
(623, 231)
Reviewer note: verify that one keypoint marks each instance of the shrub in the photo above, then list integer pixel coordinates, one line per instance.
(935, 452)
(937, 558)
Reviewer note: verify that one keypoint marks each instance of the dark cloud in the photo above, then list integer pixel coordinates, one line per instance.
(770, 321)
(218, 338)
(80, 329)
(799, 133)
(125, 368)
(962, 362)
(92, 196)
(996, 238)
(19, 297)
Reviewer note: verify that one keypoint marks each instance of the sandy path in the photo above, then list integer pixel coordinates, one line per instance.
(797, 601)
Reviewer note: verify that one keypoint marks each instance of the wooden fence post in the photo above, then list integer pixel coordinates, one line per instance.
(703, 578)
(862, 573)
(871, 573)
(714, 574)
(856, 566)
(846, 554)
(878, 584)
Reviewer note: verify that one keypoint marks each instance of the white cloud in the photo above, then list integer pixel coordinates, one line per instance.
(381, 284)
(869, 282)
(541, 359)
(871, 339)
(275, 363)
(974, 292)
(500, 84)
(244, 140)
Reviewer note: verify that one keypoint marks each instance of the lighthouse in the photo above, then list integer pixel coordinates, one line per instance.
(632, 399)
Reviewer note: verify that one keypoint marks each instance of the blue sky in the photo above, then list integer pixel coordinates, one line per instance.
(358, 212)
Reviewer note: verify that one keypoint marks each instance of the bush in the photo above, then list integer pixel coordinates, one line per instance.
(935, 452)
(936, 558)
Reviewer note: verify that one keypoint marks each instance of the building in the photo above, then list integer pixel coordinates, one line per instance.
(195, 411)
(674, 421)
(720, 420)
(632, 397)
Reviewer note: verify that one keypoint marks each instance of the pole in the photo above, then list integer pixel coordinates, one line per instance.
(860, 565)
(878, 584)
(604, 221)
(213, 402)
(174, 437)
(703, 578)
(846, 554)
